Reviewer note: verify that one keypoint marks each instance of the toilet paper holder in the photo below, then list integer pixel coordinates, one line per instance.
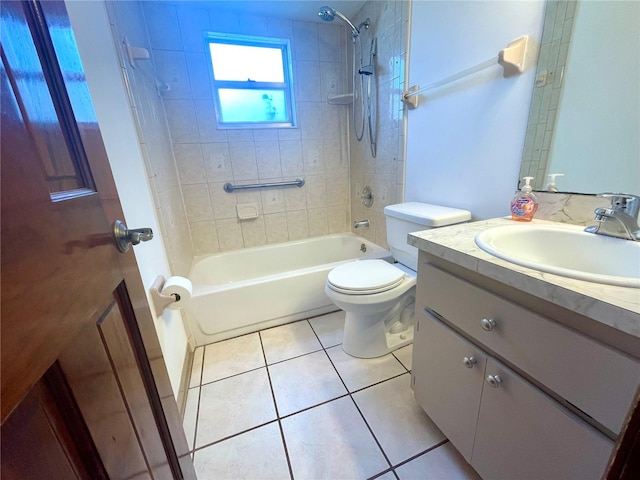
(160, 301)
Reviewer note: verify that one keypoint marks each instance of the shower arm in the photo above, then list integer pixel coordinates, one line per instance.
(354, 30)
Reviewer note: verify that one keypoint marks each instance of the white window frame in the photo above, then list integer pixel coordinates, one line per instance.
(287, 86)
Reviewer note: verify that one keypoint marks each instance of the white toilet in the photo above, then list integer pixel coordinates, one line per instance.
(379, 297)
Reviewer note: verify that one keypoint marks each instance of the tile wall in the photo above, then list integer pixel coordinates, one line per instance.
(148, 111)
(385, 173)
(554, 48)
(206, 157)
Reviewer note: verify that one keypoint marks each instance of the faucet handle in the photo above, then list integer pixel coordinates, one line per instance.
(623, 202)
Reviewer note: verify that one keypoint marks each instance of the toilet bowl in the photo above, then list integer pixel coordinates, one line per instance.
(379, 297)
(379, 301)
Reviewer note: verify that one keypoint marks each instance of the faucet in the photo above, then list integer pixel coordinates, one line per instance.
(361, 223)
(620, 219)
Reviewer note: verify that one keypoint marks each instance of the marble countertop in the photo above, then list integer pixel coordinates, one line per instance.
(618, 307)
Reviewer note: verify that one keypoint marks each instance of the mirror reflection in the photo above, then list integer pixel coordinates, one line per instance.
(584, 121)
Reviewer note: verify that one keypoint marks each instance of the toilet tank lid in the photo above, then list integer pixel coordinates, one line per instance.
(427, 214)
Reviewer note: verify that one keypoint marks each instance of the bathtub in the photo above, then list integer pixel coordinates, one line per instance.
(244, 291)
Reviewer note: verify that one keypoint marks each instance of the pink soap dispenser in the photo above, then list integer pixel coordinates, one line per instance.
(525, 203)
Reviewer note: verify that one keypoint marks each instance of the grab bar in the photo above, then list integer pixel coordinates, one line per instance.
(298, 182)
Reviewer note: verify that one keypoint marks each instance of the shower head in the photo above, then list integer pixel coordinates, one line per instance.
(328, 14)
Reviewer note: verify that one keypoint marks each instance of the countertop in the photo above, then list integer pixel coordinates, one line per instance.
(618, 307)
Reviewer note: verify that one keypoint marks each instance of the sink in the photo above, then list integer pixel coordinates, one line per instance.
(566, 250)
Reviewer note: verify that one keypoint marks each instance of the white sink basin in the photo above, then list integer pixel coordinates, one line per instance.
(566, 250)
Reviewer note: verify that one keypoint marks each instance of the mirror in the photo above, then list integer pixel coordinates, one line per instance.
(584, 120)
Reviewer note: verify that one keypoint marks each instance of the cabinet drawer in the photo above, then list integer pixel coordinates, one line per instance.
(595, 378)
(524, 434)
(444, 387)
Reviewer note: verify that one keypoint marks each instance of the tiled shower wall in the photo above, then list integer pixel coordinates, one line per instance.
(385, 173)
(554, 49)
(127, 21)
(206, 157)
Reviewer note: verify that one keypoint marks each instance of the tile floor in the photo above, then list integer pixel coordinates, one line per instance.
(287, 402)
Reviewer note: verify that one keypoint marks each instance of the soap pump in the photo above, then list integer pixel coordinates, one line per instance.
(552, 187)
(525, 203)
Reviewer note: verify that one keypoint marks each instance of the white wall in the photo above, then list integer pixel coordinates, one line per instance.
(97, 51)
(599, 113)
(465, 141)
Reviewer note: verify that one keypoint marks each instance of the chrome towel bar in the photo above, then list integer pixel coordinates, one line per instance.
(298, 182)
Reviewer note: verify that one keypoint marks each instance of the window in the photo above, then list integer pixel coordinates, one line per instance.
(252, 81)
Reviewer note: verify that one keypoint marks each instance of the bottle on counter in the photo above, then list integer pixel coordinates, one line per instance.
(525, 203)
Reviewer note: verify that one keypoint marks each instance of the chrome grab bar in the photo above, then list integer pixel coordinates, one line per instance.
(298, 182)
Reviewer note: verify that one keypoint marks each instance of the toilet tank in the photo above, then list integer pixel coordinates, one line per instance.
(404, 218)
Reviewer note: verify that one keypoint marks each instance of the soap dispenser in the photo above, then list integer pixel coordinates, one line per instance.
(524, 204)
(552, 187)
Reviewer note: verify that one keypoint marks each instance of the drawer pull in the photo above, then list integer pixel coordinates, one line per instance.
(469, 362)
(494, 380)
(488, 324)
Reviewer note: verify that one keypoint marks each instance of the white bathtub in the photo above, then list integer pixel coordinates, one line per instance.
(243, 291)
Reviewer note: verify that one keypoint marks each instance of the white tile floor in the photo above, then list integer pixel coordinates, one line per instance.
(287, 402)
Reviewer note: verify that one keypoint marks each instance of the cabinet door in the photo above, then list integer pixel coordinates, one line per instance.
(447, 389)
(524, 434)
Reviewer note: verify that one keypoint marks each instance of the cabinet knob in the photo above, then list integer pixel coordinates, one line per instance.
(488, 324)
(469, 362)
(494, 380)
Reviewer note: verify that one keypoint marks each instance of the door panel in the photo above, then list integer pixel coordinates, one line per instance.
(552, 443)
(115, 333)
(447, 390)
(73, 308)
(44, 423)
(87, 365)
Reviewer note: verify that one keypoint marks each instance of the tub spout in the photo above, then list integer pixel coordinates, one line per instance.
(361, 223)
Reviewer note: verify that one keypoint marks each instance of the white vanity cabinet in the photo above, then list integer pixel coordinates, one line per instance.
(521, 420)
(503, 426)
(449, 381)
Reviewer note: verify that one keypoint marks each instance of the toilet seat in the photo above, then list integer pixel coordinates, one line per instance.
(365, 277)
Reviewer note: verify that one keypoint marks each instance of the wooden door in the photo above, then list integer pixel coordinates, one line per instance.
(84, 388)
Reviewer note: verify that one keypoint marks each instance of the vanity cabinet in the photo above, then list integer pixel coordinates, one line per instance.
(520, 395)
(448, 385)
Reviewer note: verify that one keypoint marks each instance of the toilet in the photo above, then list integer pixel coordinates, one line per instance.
(379, 297)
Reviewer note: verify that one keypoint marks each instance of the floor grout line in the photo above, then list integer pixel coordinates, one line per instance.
(403, 365)
(232, 376)
(410, 459)
(195, 428)
(228, 437)
(297, 356)
(275, 405)
(355, 404)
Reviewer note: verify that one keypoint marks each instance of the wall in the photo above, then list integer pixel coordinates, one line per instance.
(465, 141)
(207, 157)
(153, 133)
(385, 173)
(134, 184)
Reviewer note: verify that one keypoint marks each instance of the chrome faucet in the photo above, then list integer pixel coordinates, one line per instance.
(620, 219)
(361, 223)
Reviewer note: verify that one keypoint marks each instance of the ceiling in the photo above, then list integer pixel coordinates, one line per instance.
(305, 10)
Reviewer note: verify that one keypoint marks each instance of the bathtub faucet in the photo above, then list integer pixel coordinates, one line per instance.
(361, 223)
